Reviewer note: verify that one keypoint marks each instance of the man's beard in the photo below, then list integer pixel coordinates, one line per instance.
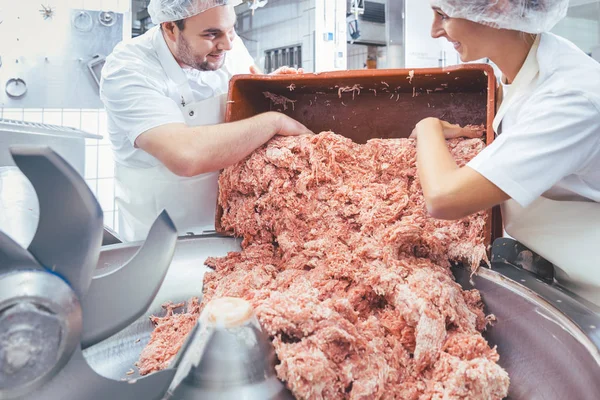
(186, 56)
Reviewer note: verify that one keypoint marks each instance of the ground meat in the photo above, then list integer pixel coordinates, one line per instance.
(168, 336)
(349, 275)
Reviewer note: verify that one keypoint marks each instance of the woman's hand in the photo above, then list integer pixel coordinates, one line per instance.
(280, 71)
(450, 131)
(287, 71)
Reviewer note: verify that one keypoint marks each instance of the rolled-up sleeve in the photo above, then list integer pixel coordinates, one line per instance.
(557, 135)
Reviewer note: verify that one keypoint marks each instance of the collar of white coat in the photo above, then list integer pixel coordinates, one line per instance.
(171, 67)
(527, 74)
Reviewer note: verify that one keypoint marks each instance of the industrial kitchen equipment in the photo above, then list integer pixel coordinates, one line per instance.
(52, 306)
(548, 338)
(57, 299)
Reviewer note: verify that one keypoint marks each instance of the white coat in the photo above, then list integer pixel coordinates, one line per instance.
(143, 87)
(547, 159)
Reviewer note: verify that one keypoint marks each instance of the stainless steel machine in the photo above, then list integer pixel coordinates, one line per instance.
(19, 211)
(74, 316)
(548, 339)
(57, 299)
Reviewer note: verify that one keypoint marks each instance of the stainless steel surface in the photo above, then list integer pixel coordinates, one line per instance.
(65, 201)
(107, 18)
(13, 257)
(69, 143)
(131, 288)
(41, 317)
(547, 354)
(15, 88)
(20, 210)
(53, 57)
(114, 357)
(584, 314)
(82, 21)
(95, 66)
(40, 325)
(224, 362)
(77, 381)
(36, 128)
(110, 237)
(509, 251)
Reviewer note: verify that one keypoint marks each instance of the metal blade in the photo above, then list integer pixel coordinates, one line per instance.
(79, 381)
(14, 257)
(69, 234)
(118, 298)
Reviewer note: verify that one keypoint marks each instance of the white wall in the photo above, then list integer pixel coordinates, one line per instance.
(583, 32)
(330, 35)
(423, 51)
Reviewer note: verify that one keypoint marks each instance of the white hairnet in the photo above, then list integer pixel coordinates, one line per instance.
(531, 16)
(173, 10)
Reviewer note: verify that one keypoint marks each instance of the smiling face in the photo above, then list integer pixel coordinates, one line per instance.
(471, 40)
(202, 41)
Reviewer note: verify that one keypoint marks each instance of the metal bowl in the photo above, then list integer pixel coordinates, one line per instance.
(547, 338)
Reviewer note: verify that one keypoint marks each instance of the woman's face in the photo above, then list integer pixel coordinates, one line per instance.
(471, 40)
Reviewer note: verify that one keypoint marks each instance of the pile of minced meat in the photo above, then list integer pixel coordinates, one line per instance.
(348, 274)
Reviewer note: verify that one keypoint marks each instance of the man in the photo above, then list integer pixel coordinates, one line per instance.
(164, 93)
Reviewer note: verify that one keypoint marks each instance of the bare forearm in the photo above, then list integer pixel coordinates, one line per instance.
(190, 151)
(223, 145)
(450, 192)
(435, 163)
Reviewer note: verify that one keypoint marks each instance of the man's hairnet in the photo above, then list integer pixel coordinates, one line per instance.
(531, 16)
(173, 10)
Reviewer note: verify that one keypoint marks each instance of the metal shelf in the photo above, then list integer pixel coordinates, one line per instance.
(36, 128)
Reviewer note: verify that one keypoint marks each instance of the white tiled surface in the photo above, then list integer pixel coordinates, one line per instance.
(99, 163)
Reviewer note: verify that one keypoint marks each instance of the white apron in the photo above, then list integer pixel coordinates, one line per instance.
(566, 233)
(142, 193)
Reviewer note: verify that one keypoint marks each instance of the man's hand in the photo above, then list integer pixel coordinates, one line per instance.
(280, 71)
(286, 126)
(450, 131)
(194, 150)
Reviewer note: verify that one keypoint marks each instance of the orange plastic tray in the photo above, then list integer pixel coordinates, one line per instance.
(367, 104)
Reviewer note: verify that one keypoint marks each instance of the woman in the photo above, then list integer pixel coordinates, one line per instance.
(544, 166)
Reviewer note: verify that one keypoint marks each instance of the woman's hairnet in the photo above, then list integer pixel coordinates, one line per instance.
(531, 16)
(173, 10)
